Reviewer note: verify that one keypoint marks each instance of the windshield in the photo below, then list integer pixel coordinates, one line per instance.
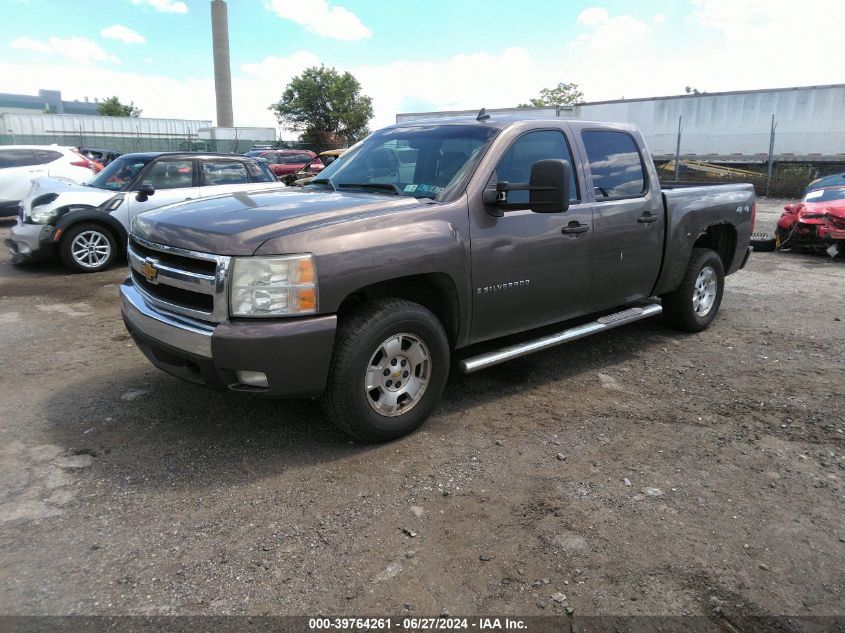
(825, 195)
(119, 173)
(420, 161)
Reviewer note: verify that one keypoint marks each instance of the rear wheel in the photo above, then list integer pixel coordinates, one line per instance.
(88, 248)
(693, 306)
(389, 369)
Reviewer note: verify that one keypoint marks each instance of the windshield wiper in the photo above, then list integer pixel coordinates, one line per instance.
(378, 186)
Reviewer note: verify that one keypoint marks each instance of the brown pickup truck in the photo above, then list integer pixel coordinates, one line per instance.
(364, 287)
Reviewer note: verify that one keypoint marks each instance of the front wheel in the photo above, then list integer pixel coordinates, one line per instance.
(693, 306)
(88, 248)
(388, 372)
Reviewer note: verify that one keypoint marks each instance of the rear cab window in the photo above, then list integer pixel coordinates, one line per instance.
(616, 165)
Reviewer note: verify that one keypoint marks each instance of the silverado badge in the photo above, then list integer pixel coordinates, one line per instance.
(149, 270)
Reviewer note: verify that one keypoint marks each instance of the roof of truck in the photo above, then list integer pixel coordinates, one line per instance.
(501, 121)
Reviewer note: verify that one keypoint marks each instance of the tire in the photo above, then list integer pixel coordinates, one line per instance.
(88, 248)
(693, 306)
(398, 348)
(764, 244)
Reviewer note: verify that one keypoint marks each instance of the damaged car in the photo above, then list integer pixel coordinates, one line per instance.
(816, 223)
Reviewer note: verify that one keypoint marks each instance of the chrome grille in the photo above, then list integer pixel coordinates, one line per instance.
(181, 281)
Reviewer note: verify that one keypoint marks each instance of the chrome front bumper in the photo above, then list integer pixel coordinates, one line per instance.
(169, 329)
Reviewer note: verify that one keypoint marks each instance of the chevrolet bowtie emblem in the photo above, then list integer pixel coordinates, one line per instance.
(149, 270)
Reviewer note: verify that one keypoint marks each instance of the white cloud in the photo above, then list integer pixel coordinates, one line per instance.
(620, 55)
(164, 6)
(168, 97)
(123, 33)
(592, 16)
(318, 17)
(658, 18)
(78, 50)
(614, 34)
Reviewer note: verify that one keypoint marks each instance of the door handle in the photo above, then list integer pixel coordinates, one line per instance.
(575, 227)
(647, 218)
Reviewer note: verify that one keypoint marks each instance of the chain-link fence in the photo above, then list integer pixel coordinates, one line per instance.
(788, 178)
(126, 144)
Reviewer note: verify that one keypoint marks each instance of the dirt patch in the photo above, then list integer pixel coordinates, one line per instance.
(638, 472)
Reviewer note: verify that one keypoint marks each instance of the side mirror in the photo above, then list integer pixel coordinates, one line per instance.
(548, 190)
(789, 208)
(549, 187)
(144, 192)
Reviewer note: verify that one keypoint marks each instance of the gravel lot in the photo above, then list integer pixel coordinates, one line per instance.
(637, 472)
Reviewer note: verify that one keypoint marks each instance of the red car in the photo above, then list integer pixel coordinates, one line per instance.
(816, 223)
(287, 161)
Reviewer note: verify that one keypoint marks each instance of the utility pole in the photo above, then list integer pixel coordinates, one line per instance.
(771, 154)
(678, 150)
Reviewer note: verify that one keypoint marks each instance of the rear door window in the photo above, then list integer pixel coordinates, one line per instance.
(516, 164)
(17, 158)
(615, 163)
(224, 172)
(44, 156)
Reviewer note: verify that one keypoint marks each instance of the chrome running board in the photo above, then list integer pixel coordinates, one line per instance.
(607, 322)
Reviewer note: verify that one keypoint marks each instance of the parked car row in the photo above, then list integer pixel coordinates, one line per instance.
(87, 224)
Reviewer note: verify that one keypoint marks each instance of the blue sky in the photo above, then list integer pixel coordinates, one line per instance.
(435, 54)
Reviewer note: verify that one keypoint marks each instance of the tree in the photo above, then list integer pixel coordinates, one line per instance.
(693, 91)
(561, 95)
(326, 107)
(113, 107)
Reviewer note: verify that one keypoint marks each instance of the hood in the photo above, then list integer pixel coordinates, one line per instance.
(57, 184)
(831, 207)
(238, 223)
(68, 192)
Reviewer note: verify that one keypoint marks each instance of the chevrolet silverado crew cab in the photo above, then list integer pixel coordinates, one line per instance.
(87, 224)
(423, 241)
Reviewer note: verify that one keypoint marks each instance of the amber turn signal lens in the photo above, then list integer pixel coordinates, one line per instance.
(307, 299)
(306, 271)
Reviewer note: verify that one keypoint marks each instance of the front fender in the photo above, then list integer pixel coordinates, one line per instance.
(90, 214)
(363, 251)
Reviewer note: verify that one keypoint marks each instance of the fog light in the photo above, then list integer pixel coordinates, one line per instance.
(252, 378)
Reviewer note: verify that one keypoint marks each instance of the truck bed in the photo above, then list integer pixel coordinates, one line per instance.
(718, 216)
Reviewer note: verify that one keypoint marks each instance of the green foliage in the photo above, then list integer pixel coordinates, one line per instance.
(693, 91)
(113, 107)
(561, 95)
(326, 107)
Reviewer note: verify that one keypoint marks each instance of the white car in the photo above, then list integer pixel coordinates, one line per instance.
(88, 225)
(21, 164)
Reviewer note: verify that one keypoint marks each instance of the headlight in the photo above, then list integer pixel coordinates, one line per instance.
(273, 286)
(43, 215)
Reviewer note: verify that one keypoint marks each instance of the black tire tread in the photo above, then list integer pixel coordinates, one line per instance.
(676, 305)
(334, 399)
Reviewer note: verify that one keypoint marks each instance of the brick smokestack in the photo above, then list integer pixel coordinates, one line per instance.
(222, 71)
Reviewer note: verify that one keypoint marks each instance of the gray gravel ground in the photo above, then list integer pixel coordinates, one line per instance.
(641, 471)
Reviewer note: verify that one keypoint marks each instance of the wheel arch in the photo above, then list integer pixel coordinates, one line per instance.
(722, 238)
(75, 214)
(436, 292)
